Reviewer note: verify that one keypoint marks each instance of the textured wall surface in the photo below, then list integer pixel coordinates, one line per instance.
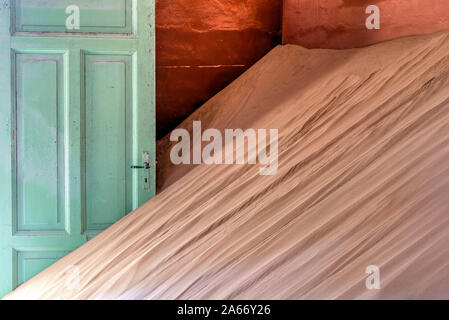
(202, 46)
(340, 24)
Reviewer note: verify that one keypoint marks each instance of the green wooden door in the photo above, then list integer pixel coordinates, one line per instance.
(77, 112)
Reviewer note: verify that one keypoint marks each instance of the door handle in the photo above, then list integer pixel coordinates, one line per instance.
(145, 161)
(145, 166)
(144, 175)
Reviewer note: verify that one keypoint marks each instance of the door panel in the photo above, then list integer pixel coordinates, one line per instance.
(39, 142)
(111, 16)
(108, 129)
(29, 263)
(77, 113)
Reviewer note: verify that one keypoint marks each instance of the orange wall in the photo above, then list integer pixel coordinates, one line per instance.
(203, 45)
(340, 24)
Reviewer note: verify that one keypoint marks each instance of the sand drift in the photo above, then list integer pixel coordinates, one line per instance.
(363, 179)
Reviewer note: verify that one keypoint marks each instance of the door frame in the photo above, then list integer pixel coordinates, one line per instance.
(6, 132)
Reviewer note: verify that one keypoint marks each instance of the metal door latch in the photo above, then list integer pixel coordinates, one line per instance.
(145, 160)
(145, 166)
(145, 175)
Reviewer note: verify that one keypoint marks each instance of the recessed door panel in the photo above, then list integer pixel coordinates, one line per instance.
(111, 16)
(39, 164)
(108, 103)
(30, 263)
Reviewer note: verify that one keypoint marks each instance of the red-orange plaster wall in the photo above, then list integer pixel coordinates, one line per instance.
(340, 24)
(203, 45)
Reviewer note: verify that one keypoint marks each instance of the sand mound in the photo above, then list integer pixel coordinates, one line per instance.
(363, 180)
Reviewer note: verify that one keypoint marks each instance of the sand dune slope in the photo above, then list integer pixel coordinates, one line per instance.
(363, 180)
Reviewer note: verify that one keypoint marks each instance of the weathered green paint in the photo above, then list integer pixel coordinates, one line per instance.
(32, 262)
(108, 112)
(39, 143)
(106, 16)
(77, 110)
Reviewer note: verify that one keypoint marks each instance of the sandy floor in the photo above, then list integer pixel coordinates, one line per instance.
(363, 180)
